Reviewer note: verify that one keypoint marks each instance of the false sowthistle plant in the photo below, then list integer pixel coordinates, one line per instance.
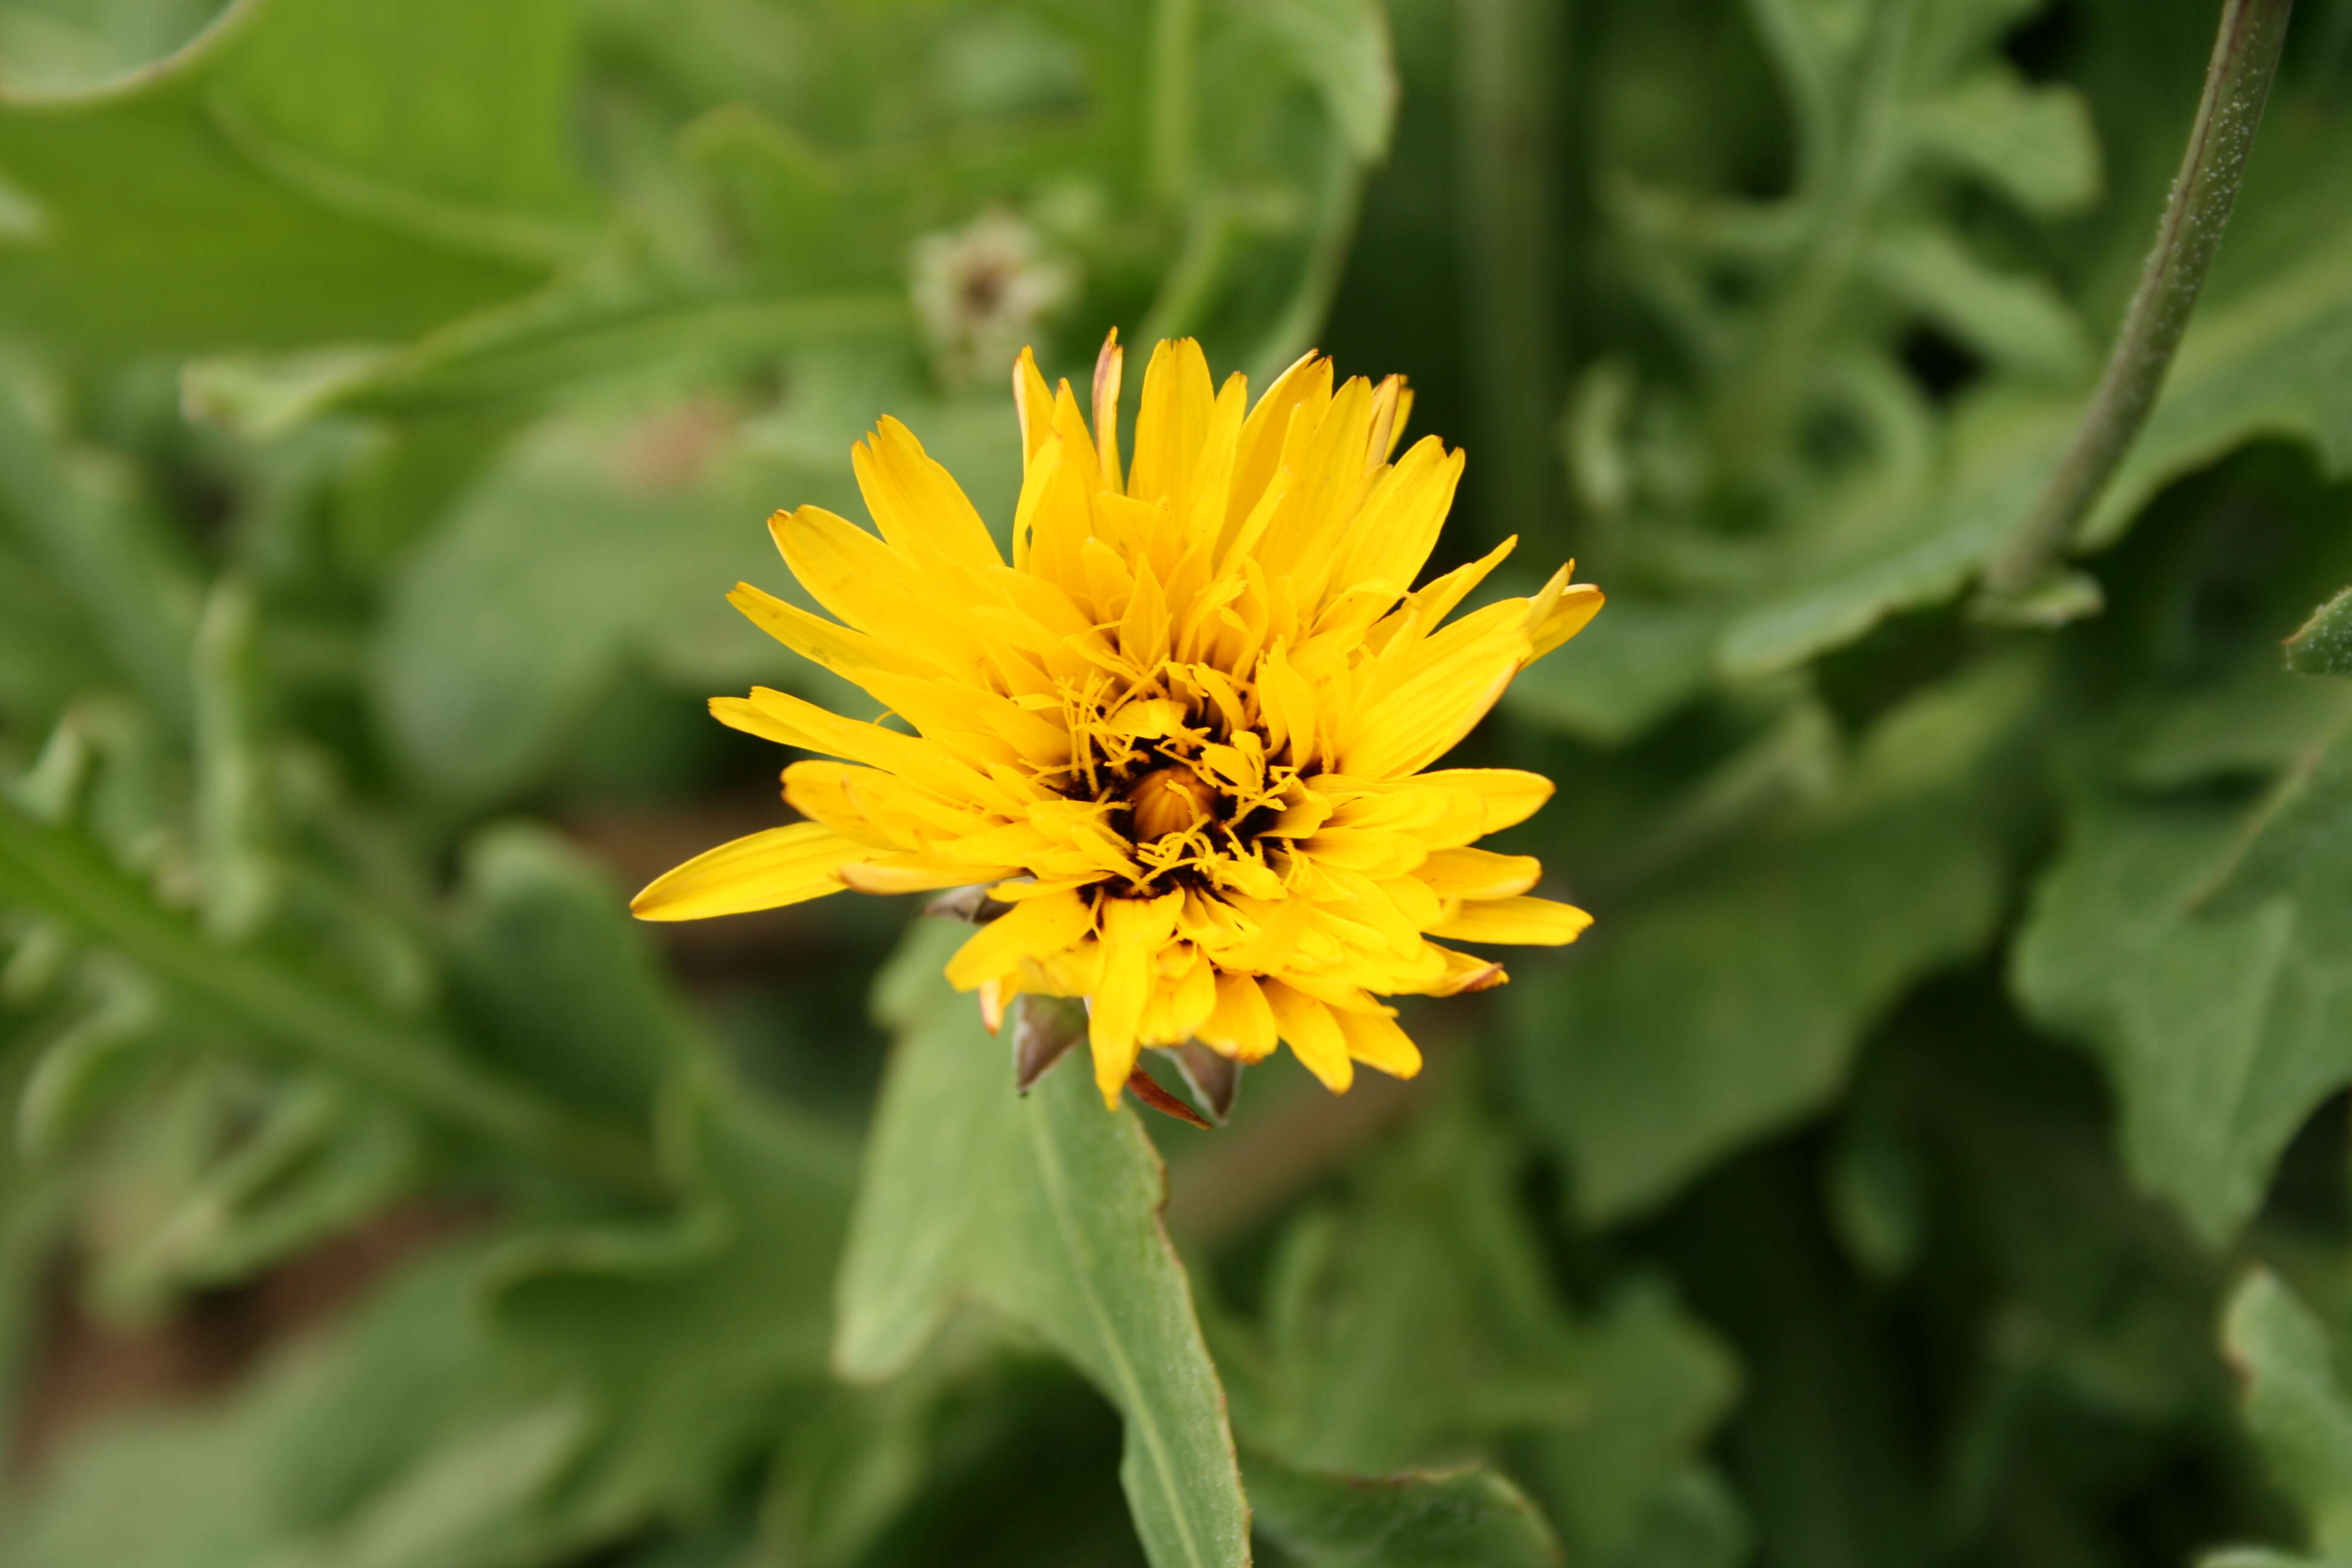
(1184, 740)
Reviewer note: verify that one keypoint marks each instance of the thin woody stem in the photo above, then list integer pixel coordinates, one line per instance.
(2237, 81)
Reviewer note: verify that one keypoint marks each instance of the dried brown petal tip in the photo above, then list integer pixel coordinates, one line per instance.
(1215, 1081)
(1141, 1085)
(1485, 978)
(1046, 1030)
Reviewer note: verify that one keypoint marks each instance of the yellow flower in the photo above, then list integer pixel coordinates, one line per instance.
(1182, 737)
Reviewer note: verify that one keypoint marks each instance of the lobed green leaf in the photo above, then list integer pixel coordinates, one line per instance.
(1045, 1210)
(2199, 951)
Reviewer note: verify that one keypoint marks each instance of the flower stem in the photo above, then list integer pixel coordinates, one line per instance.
(67, 876)
(2237, 81)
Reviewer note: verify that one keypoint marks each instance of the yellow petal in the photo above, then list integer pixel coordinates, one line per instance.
(1375, 1040)
(1173, 423)
(1439, 693)
(916, 504)
(1313, 1034)
(1569, 615)
(1287, 702)
(1399, 525)
(1032, 404)
(1464, 973)
(1496, 798)
(1143, 629)
(1305, 540)
(919, 874)
(872, 806)
(847, 653)
(1426, 606)
(1036, 928)
(793, 722)
(1110, 369)
(1306, 385)
(1375, 854)
(1200, 520)
(764, 870)
(1479, 873)
(1192, 998)
(1134, 931)
(875, 587)
(1241, 1025)
(1537, 922)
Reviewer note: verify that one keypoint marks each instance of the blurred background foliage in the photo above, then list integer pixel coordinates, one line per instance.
(1937, 1152)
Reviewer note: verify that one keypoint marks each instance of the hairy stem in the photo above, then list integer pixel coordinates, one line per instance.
(2237, 81)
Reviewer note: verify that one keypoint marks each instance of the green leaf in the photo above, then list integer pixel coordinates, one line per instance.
(1822, 1444)
(104, 557)
(1045, 1210)
(2248, 723)
(54, 48)
(1444, 1519)
(558, 985)
(599, 541)
(302, 170)
(1268, 187)
(83, 1070)
(2324, 644)
(522, 355)
(2198, 949)
(1416, 1325)
(281, 1007)
(1802, 452)
(1874, 1188)
(1635, 663)
(305, 1161)
(2034, 142)
(1628, 1483)
(1342, 46)
(436, 114)
(577, 552)
(796, 208)
(1728, 999)
(2294, 1403)
(690, 1335)
(866, 1457)
(47, 656)
(447, 1466)
(2002, 447)
(518, 1399)
(2266, 357)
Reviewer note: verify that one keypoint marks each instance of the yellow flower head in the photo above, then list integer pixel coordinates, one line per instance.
(1181, 738)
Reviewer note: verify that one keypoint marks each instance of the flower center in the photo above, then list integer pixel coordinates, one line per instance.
(1169, 799)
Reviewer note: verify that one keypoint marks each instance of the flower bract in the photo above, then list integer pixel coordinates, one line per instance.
(1185, 736)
